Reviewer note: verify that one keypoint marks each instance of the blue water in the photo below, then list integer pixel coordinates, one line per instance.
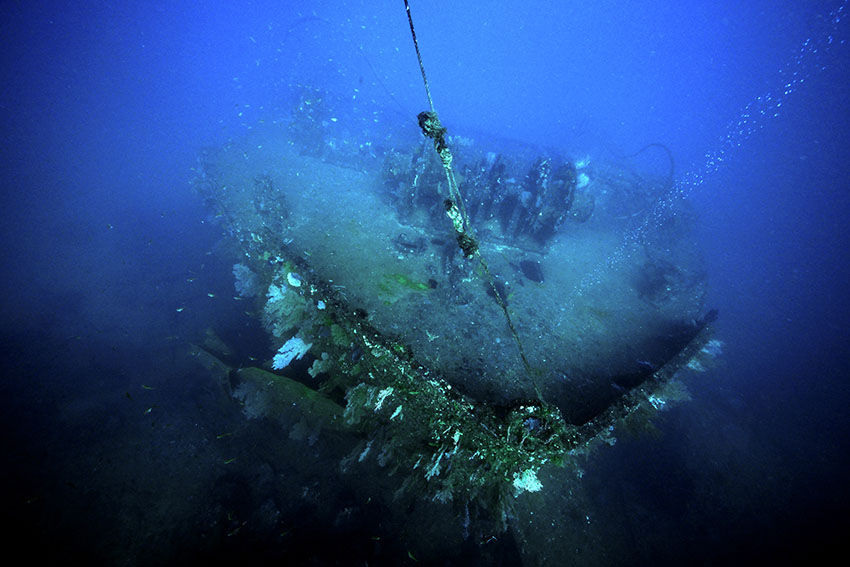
(107, 429)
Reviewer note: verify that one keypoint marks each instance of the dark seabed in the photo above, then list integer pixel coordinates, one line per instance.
(248, 316)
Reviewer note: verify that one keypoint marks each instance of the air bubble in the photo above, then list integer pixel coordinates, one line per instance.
(808, 61)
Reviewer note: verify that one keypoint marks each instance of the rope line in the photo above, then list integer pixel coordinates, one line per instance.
(419, 57)
(455, 207)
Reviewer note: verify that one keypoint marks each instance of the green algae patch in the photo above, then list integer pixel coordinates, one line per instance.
(395, 286)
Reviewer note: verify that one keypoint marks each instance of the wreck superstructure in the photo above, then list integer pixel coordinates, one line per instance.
(466, 379)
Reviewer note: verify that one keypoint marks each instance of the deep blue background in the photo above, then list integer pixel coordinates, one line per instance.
(105, 106)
